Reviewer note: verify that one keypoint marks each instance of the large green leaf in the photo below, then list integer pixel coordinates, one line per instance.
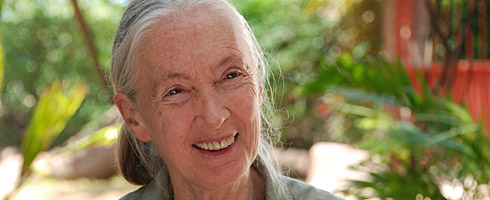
(56, 106)
(105, 136)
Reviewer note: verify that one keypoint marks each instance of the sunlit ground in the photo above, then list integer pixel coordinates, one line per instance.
(40, 189)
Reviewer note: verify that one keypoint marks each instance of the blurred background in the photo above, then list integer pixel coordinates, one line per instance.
(378, 99)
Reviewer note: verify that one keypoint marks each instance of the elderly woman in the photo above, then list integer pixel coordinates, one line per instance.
(190, 85)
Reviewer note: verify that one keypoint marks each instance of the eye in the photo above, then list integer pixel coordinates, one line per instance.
(231, 75)
(174, 91)
(176, 95)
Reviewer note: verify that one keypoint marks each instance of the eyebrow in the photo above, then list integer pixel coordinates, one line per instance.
(222, 62)
(172, 76)
(225, 61)
(175, 75)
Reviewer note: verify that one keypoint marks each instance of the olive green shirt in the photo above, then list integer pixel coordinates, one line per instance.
(295, 189)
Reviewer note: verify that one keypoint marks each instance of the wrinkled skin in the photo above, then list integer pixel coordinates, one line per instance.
(197, 84)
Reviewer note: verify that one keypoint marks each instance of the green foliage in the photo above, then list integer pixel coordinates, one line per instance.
(368, 76)
(418, 140)
(105, 136)
(298, 34)
(56, 106)
(43, 42)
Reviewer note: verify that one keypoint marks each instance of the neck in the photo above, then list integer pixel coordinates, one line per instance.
(250, 186)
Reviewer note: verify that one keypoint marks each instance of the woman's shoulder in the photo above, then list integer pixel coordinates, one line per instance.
(135, 195)
(302, 190)
(145, 192)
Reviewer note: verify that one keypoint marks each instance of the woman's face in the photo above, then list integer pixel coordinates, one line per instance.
(198, 99)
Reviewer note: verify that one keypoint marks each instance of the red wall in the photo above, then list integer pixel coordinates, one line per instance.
(471, 87)
(472, 84)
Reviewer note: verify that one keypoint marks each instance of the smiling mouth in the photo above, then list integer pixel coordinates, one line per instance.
(217, 145)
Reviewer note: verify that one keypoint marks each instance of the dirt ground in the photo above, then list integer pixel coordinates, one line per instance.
(44, 189)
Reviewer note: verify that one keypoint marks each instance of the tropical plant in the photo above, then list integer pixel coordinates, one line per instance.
(420, 143)
(105, 136)
(56, 106)
(43, 42)
(297, 33)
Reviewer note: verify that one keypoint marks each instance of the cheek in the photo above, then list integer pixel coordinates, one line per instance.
(170, 129)
(246, 108)
(246, 102)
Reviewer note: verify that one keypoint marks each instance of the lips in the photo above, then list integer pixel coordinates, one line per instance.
(216, 145)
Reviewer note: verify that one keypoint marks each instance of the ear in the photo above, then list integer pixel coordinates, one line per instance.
(132, 117)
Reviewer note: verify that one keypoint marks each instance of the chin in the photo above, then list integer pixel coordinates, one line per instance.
(227, 174)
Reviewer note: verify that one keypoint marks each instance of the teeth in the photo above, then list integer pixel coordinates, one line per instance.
(218, 145)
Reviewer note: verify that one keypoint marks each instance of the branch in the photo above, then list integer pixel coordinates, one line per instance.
(435, 26)
(90, 45)
(452, 54)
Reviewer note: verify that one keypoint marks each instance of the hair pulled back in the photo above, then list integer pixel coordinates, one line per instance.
(137, 161)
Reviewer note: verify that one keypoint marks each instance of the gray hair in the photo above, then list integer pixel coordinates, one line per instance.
(137, 161)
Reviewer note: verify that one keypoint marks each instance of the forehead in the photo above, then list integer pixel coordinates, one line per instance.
(194, 39)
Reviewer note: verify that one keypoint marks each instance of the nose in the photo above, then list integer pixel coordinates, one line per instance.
(213, 111)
